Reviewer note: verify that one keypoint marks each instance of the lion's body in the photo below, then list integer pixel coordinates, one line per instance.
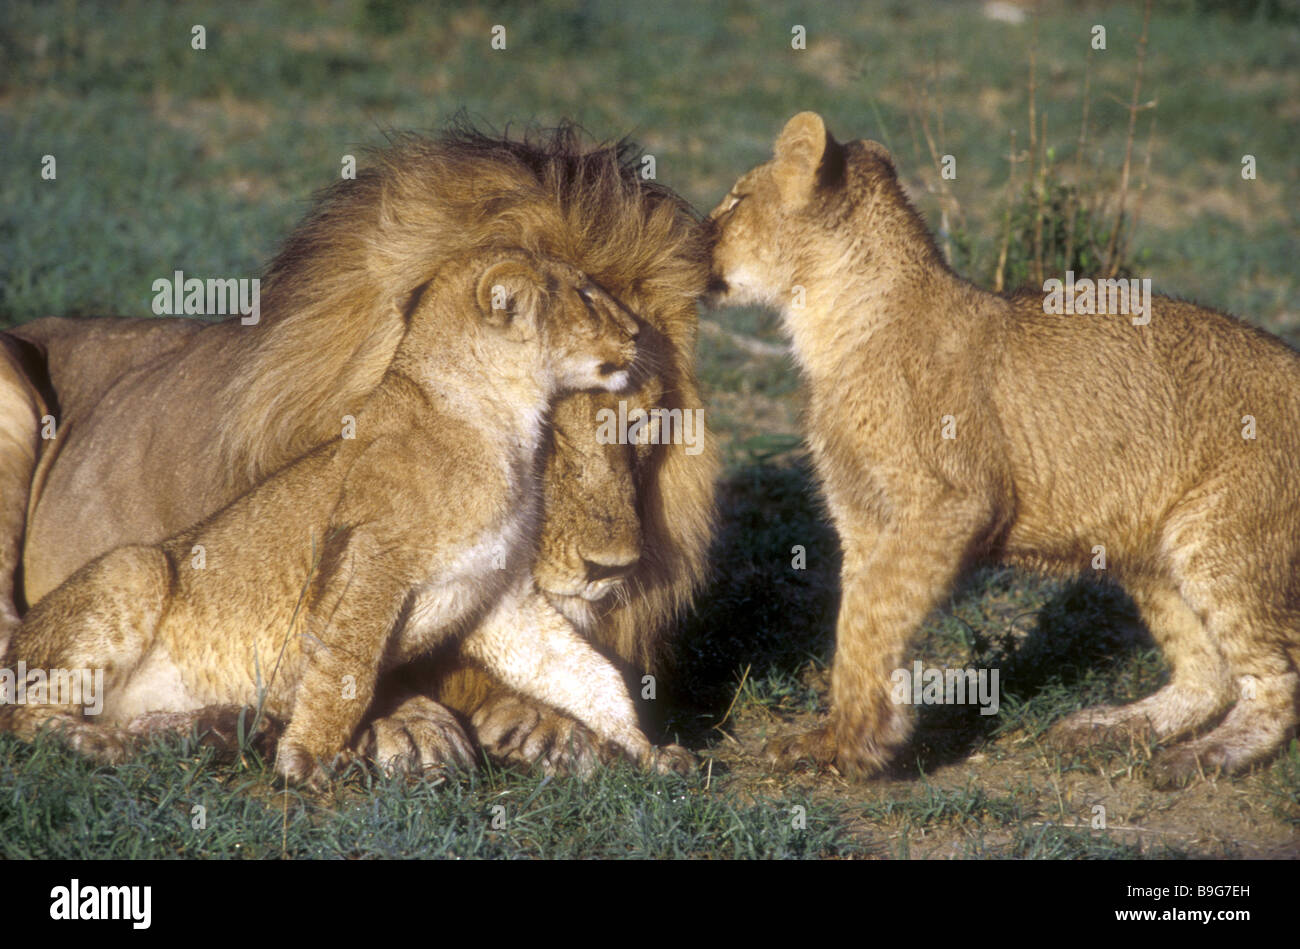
(163, 422)
(949, 424)
(367, 551)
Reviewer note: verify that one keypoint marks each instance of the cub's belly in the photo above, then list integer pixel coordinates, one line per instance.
(161, 684)
(156, 686)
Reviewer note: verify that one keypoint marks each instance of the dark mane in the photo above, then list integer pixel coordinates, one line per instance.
(333, 296)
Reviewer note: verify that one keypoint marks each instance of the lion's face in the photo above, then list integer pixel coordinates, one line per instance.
(626, 528)
(591, 541)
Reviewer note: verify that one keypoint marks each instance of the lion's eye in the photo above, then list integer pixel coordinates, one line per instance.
(735, 200)
(585, 294)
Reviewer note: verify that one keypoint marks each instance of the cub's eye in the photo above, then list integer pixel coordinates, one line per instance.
(586, 295)
(735, 200)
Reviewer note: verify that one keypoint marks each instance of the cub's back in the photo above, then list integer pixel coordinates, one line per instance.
(1107, 421)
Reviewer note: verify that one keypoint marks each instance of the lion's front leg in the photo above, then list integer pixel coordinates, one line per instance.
(538, 652)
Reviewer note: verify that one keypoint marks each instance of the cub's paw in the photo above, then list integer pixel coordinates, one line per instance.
(103, 743)
(107, 744)
(420, 735)
(297, 765)
(1221, 752)
(1099, 726)
(219, 727)
(815, 746)
(514, 730)
(1182, 765)
(854, 752)
(671, 759)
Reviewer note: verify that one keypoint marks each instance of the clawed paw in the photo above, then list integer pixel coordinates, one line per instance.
(1100, 726)
(671, 759)
(297, 765)
(420, 735)
(515, 731)
(815, 746)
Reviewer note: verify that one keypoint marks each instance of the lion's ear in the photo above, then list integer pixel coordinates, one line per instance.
(806, 157)
(508, 289)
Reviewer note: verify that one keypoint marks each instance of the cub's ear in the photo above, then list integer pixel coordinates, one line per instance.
(807, 157)
(509, 288)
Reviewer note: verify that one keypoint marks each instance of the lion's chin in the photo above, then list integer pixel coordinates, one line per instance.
(582, 613)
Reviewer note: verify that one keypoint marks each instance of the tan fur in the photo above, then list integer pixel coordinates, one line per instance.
(163, 422)
(1070, 431)
(22, 404)
(371, 549)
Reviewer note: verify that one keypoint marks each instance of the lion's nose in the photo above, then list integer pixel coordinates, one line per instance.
(609, 566)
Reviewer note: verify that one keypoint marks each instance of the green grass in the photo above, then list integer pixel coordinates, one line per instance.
(172, 157)
(169, 802)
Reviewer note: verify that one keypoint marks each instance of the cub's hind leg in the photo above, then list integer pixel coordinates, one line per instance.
(1239, 567)
(218, 727)
(92, 632)
(1267, 692)
(1198, 692)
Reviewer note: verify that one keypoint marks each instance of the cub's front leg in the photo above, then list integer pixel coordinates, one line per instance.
(889, 585)
(354, 608)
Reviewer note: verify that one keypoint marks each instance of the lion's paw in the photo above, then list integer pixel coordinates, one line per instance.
(515, 730)
(420, 735)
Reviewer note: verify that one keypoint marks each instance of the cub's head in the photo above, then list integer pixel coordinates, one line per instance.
(787, 221)
(586, 339)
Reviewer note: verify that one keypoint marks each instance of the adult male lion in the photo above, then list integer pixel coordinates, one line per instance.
(162, 421)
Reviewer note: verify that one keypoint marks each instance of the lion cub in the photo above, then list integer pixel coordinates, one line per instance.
(368, 551)
(949, 424)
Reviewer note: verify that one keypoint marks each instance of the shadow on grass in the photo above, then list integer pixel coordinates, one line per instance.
(1087, 647)
(767, 610)
(771, 600)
